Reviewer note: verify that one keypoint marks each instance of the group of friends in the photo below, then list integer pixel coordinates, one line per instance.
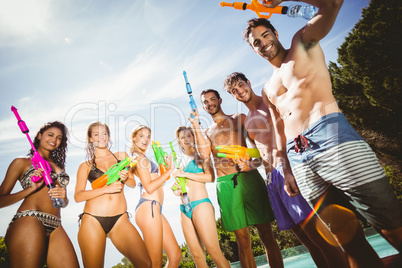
(321, 176)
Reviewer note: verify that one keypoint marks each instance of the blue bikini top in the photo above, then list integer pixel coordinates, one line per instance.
(192, 167)
(154, 167)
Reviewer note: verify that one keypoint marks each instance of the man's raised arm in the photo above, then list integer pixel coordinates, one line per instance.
(319, 25)
(203, 145)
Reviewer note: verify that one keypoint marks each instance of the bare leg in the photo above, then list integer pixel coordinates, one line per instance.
(272, 250)
(193, 241)
(26, 242)
(92, 241)
(204, 222)
(394, 237)
(129, 242)
(170, 245)
(61, 251)
(347, 231)
(245, 253)
(321, 243)
(151, 228)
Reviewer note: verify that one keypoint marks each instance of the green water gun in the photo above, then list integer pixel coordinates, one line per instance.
(112, 174)
(159, 156)
(182, 182)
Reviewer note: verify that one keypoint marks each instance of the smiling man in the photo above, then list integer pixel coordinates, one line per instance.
(265, 129)
(242, 195)
(331, 163)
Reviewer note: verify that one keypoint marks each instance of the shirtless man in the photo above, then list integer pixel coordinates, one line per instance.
(328, 158)
(263, 126)
(242, 196)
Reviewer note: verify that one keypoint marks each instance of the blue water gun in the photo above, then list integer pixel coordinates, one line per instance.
(190, 94)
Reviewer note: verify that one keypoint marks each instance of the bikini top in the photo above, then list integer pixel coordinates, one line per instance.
(95, 172)
(154, 166)
(192, 167)
(61, 177)
(154, 169)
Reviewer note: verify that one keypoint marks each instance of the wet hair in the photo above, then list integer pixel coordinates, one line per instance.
(232, 79)
(135, 132)
(180, 129)
(58, 155)
(253, 23)
(90, 149)
(209, 91)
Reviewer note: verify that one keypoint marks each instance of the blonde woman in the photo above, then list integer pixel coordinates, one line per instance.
(105, 212)
(198, 225)
(157, 233)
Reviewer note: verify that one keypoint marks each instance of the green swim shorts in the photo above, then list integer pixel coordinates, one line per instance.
(243, 200)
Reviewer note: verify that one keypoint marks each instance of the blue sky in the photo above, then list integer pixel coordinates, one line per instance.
(121, 62)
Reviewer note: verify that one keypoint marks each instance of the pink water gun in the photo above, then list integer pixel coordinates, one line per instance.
(38, 161)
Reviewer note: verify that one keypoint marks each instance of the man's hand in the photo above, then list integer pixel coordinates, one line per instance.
(290, 185)
(196, 120)
(271, 4)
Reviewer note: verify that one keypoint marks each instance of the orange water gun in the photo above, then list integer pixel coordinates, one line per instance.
(112, 174)
(237, 152)
(257, 8)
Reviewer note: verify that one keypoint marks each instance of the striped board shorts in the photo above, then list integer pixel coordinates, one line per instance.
(331, 152)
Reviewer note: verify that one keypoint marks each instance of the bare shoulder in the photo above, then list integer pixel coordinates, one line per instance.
(86, 165)
(121, 155)
(238, 116)
(21, 163)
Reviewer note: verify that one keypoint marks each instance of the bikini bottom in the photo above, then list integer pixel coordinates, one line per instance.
(193, 205)
(49, 222)
(107, 222)
(153, 202)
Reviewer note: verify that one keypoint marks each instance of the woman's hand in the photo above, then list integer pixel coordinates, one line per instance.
(37, 185)
(178, 173)
(178, 189)
(123, 174)
(57, 192)
(169, 161)
(113, 188)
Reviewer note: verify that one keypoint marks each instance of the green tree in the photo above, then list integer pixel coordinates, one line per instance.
(367, 82)
(4, 261)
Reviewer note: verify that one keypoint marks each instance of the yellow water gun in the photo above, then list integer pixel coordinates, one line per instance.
(237, 152)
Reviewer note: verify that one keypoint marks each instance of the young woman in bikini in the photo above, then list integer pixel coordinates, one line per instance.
(198, 225)
(157, 233)
(35, 236)
(105, 212)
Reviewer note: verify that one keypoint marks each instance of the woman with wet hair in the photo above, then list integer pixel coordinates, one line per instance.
(35, 235)
(157, 233)
(105, 212)
(198, 225)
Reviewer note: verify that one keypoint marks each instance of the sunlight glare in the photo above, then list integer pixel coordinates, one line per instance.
(23, 17)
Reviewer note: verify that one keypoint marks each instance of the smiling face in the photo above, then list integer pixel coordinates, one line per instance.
(99, 137)
(142, 139)
(186, 139)
(241, 90)
(51, 138)
(211, 103)
(264, 42)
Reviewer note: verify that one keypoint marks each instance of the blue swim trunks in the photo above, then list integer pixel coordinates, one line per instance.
(332, 153)
(289, 211)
